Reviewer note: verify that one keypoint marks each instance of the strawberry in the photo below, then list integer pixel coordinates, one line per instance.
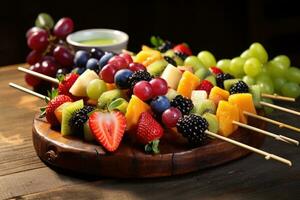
(215, 70)
(65, 85)
(108, 128)
(51, 107)
(149, 131)
(205, 85)
(183, 48)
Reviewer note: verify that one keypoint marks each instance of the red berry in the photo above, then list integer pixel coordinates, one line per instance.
(127, 57)
(215, 70)
(159, 86)
(183, 48)
(51, 107)
(108, 128)
(66, 84)
(63, 27)
(171, 116)
(108, 72)
(136, 67)
(143, 90)
(148, 129)
(119, 62)
(38, 41)
(205, 85)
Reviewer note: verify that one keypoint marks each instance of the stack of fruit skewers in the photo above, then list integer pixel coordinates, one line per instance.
(204, 127)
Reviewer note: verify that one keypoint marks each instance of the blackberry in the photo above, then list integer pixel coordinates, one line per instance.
(170, 60)
(193, 128)
(79, 117)
(184, 104)
(165, 46)
(141, 75)
(239, 87)
(181, 55)
(221, 78)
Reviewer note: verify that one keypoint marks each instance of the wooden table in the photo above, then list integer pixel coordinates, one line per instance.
(23, 175)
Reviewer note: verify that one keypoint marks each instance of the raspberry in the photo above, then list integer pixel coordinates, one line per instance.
(215, 70)
(205, 85)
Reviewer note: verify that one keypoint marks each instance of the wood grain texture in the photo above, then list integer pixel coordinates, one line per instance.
(249, 178)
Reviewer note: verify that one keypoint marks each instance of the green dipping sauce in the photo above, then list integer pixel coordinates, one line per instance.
(98, 41)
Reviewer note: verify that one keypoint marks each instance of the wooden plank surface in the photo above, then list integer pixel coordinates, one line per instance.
(24, 176)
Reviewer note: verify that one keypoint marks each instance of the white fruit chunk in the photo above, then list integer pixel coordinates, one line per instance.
(172, 75)
(198, 95)
(79, 87)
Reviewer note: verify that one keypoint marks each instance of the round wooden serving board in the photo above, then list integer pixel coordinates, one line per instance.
(75, 155)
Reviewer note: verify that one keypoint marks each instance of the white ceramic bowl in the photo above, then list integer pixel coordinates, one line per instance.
(120, 38)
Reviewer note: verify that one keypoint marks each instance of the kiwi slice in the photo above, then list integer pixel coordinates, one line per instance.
(213, 124)
(230, 82)
(67, 114)
(118, 104)
(206, 105)
(256, 95)
(87, 134)
(202, 73)
(212, 79)
(157, 67)
(107, 97)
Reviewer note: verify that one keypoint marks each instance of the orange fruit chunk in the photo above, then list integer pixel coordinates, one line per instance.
(217, 94)
(226, 113)
(187, 84)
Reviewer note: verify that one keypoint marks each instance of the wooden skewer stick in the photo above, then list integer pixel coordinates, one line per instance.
(42, 76)
(280, 124)
(277, 137)
(278, 97)
(23, 89)
(279, 108)
(258, 151)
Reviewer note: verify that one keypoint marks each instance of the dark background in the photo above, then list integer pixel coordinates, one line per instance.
(226, 28)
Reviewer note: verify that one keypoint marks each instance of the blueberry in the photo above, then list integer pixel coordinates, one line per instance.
(81, 58)
(92, 64)
(160, 104)
(96, 53)
(105, 58)
(122, 78)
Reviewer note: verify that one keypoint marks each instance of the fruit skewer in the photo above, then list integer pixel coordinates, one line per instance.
(242, 145)
(55, 81)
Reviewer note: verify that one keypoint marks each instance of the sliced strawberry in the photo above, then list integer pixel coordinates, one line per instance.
(183, 48)
(205, 85)
(53, 105)
(215, 70)
(108, 128)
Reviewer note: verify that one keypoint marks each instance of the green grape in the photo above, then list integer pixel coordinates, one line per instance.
(207, 58)
(278, 83)
(266, 87)
(194, 62)
(44, 20)
(259, 52)
(293, 75)
(276, 69)
(237, 66)
(202, 73)
(284, 60)
(224, 65)
(291, 89)
(268, 110)
(264, 78)
(95, 88)
(249, 80)
(247, 54)
(252, 67)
